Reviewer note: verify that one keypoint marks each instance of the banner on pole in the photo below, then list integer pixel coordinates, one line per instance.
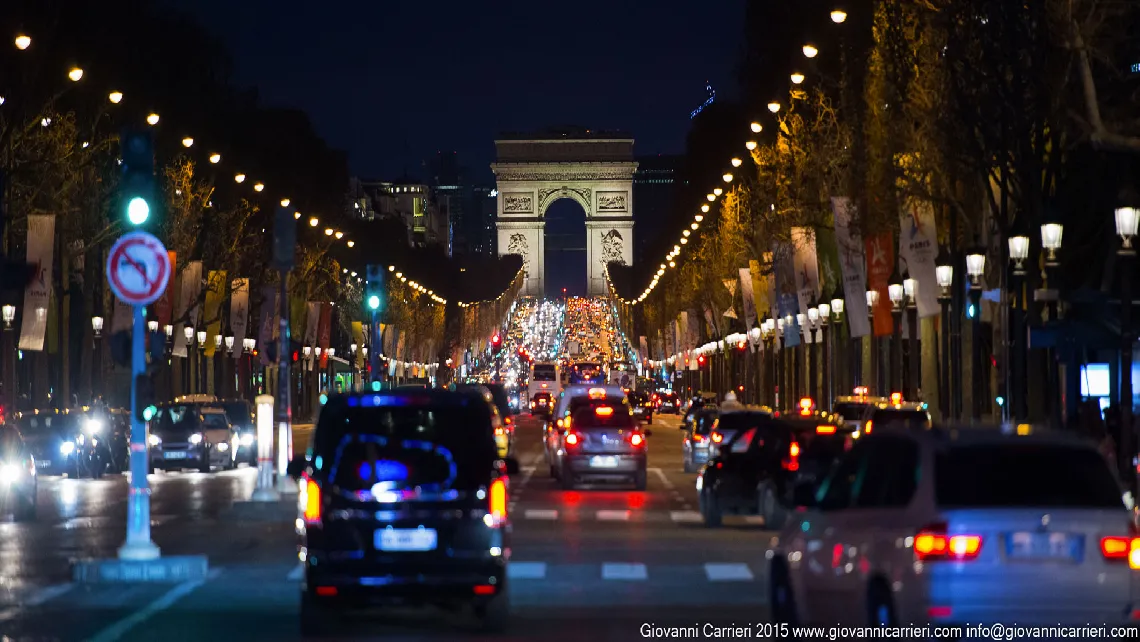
(215, 294)
(918, 247)
(239, 313)
(880, 262)
(806, 265)
(265, 328)
(164, 307)
(787, 297)
(853, 266)
(187, 305)
(324, 333)
(37, 296)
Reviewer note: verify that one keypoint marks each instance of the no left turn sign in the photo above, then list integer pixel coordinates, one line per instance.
(138, 268)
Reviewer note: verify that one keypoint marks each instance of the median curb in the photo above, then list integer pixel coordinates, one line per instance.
(164, 570)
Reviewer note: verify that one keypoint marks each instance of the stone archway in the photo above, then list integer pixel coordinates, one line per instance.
(594, 169)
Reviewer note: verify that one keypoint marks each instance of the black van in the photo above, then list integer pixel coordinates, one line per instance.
(404, 500)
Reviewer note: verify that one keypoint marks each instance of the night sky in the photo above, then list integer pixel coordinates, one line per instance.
(392, 82)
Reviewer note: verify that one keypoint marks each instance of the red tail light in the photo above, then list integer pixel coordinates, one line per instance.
(326, 591)
(1121, 548)
(497, 504)
(500, 431)
(636, 439)
(933, 544)
(825, 430)
(572, 439)
(508, 421)
(793, 460)
(698, 438)
(312, 502)
(717, 437)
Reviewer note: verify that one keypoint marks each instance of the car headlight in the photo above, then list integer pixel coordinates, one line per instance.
(196, 438)
(9, 473)
(153, 440)
(247, 439)
(66, 448)
(93, 426)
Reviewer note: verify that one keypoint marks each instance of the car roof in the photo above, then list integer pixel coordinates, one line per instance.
(213, 410)
(945, 436)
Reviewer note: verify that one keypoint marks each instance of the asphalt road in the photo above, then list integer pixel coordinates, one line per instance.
(591, 564)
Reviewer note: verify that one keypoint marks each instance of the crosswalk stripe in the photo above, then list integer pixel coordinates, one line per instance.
(728, 572)
(526, 570)
(541, 513)
(685, 516)
(613, 515)
(621, 571)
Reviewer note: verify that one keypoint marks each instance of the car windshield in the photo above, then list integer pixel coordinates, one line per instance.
(214, 421)
(178, 416)
(898, 417)
(603, 416)
(449, 445)
(704, 423)
(544, 373)
(46, 424)
(1024, 475)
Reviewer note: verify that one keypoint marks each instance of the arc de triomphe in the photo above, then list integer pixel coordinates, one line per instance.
(594, 169)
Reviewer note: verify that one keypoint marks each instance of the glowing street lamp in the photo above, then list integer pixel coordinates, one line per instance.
(239, 178)
(757, 128)
(215, 158)
(152, 119)
(75, 74)
(115, 97)
(750, 145)
(839, 16)
(797, 78)
(736, 162)
(23, 42)
(773, 107)
(810, 51)
(727, 177)
(187, 142)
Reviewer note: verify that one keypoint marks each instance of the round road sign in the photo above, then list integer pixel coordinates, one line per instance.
(138, 268)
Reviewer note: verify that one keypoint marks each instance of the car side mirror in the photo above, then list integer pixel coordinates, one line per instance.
(512, 465)
(803, 494)
(296, 467)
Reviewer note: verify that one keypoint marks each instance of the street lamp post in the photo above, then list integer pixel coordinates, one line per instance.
(910, 290)
(824, 322)
(799, 355)
(7, 360)
(896, 293)
(1051, 235)
(876, 373)
(188, 332)
(838, 381)
(976, 269)
(755, 336)
(944, 273)
(813, 324)
(1016, 390)
(1127, 221)
(778, 363)
(200, 363)
(352, 368)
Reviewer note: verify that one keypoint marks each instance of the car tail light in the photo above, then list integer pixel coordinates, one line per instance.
(572, 439)
(558, 422)
(717, 437)
(500, 431)
(603, 411)
(825, 430)
(792, 462)
(1121, 548)
(933, 544)
(312, 502)
(636, 439)
(867, 427)
(698, 438)
(497, 504)
(326, 591)
(508, 421)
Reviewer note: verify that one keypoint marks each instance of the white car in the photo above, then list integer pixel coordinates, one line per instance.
(960, 526)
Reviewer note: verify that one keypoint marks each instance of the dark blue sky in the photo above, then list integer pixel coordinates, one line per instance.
(394, 81)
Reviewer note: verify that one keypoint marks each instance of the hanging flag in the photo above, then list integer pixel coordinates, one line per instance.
(730, 285)
(880, 259)
(683, 330)
(324, 332)
(786, 297)
(918, 246)
(191, 282)
(358, 339)
(239, 313)
(215, 293)
(37, 296)
(164, 306)
(748, 301)
(806, 265)
(643, 346)
(298, 315)
(853, 266)
(265, 328)
(312, 323)
(122, 317)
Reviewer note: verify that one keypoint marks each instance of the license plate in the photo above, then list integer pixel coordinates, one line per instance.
(603, 462)
(43, 463)
(405, 539)
(174, 455)
(1050, 546)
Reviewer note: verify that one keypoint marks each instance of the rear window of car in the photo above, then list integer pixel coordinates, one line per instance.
(449, 445)
(602, 416)
(704, 423)
(850, 411)
(907, 418)
(737, 421)
(1024, 476)
(578, 403)
(820, 448)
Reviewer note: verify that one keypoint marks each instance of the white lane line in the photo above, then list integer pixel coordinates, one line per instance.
(685, 516)
(526, 570)
(47, 594)
(541, 513)
(296, 574)
(612, 515)
(119, 629)
(664, 480)
(728, 572)
(627, 572)
(523, 480)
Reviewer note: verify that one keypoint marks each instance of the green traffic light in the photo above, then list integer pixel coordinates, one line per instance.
(149, 412)
(374, 302)
(138, 210)
(375, 386)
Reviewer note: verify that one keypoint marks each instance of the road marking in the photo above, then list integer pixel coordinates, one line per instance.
(754, 520)
(664, 480)
(47, 593)
(296, 574)
(686, 516)
(612, 515)
(627, 572)
(523, 480)
(526, 570)
(724, 572)
(122, 627)
(541, 513)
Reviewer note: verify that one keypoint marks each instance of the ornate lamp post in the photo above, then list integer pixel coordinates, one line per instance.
(910, 290)
(1015, 388)
(187, 380)
(755, 336)
(8, 359)
(876, 373)
(352, 347)
(826, 389)
(944, 273)
(97, 326)
(896, 292)
(778, 364)
(1127, 221)
(814, 324)
(838, 380)
(800, 354)
(976, 269)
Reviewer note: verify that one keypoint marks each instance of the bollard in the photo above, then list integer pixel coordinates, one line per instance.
(285, 484)
(265, 491)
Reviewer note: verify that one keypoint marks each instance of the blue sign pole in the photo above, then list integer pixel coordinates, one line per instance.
(138, 545)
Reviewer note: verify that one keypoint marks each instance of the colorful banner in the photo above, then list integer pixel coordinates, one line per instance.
(880, 261)
(683, 331)
(918, 247)
(37, 296)
(215, 294)
(358, 339)
(643, 345)
(787, 298)
(748, 301)
(164, 306)
(827, 251)
(187, 306)
(239, 313)
(324, 333)
(268, 314)
(806, 265)
(312, 321)
(853, 266)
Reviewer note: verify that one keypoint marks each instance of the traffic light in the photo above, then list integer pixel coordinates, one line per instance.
(374, 288)
(496, 343)
(136, 147)
(145, 398)
(701, 361)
